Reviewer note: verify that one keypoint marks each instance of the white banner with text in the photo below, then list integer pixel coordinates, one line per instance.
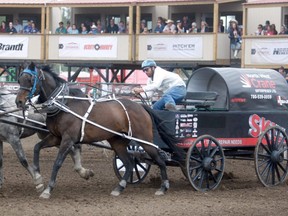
(14, 47)
(175, 48)
(269, 51)
(88, 47)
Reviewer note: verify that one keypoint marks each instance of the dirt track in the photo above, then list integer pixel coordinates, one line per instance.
(241, 195)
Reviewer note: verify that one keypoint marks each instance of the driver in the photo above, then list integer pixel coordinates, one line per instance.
(171, 84)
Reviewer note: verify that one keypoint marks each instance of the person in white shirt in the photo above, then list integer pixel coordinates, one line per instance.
(171, 84)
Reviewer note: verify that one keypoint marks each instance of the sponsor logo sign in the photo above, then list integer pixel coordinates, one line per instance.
(14, 47)
(88, 47)
(271, 51)
(175, 48)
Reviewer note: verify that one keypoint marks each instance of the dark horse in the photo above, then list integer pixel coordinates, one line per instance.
(72, 123)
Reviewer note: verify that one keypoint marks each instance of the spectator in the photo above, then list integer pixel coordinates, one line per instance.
(283, 30)
(10, 29)
(235, 38)
(193, 28)
(271, 30)
(221, 26)
(80, 28)
(18, 26)
(34, 30)
(186, 23)
(84, 30)
(74, 30)
(68, 26)
(260, 30)
(170, 27)
(61, 29)
(112, 27)
(282, 71)
(3, 27)
(179, 28)
(121, 27)
(204, 27)
(100, 28)
(142, 25)
(145, 31)
(267, 23)
(93, 29)
(28, 27)
(159, 26)
(171, 84)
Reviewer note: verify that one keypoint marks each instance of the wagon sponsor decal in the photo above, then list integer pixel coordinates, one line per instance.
(258, 125)
(14, 47)
(186, 125)
(281, 101)
(265, 51)
(225, 142)
(262, 84)
(88, 47)
(176, 48)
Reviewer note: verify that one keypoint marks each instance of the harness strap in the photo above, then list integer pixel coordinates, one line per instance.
(128, 118)
(61, 106)
(85, 119)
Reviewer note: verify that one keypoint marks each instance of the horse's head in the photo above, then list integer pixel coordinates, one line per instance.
(29, 81)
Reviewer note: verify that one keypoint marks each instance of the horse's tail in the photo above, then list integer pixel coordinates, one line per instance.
(165, 132)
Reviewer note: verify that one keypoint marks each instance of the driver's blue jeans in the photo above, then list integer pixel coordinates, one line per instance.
(172, 96)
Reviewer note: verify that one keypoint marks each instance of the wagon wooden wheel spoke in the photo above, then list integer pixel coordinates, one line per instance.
(271, 152)
(140, 171)
(205, 163)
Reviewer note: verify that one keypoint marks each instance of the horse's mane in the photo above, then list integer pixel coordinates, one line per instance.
(55, 76)
(72, 91)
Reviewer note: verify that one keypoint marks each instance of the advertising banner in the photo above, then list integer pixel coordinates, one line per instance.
(14, 47)
(88, 47)
(269, 51)
(175, 48)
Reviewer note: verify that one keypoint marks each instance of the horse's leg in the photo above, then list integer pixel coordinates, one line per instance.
(47, 142)
(1, 164)
(154, 154)
(17, 147)
(65, 147)
(119, 145)
(75, 154)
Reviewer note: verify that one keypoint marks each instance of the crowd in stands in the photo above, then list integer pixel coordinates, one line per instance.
(168, 26)
(16, 27)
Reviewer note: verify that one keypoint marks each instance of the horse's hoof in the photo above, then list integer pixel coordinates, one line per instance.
(159, 193)
(45, 195)
(39, 188)
(115, 193)
(91, 173)
(38, 180)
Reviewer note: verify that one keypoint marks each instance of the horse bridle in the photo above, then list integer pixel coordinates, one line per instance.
(36, 80)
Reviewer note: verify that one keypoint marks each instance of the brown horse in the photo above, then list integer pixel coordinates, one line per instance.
(77, 120)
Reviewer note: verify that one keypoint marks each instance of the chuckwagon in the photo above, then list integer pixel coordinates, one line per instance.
(228, 113)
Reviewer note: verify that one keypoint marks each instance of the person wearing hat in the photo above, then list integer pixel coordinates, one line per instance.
(170, 27)
(93, 29)
(235, 38)
(61, 29)
(171, 84)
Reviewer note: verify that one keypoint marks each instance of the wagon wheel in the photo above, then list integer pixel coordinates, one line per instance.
(140, 170)
(205, 163)
(271, 156)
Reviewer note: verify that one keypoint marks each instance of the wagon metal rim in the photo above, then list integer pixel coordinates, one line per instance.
(271, 156)
(140, 169)
(205, 163)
